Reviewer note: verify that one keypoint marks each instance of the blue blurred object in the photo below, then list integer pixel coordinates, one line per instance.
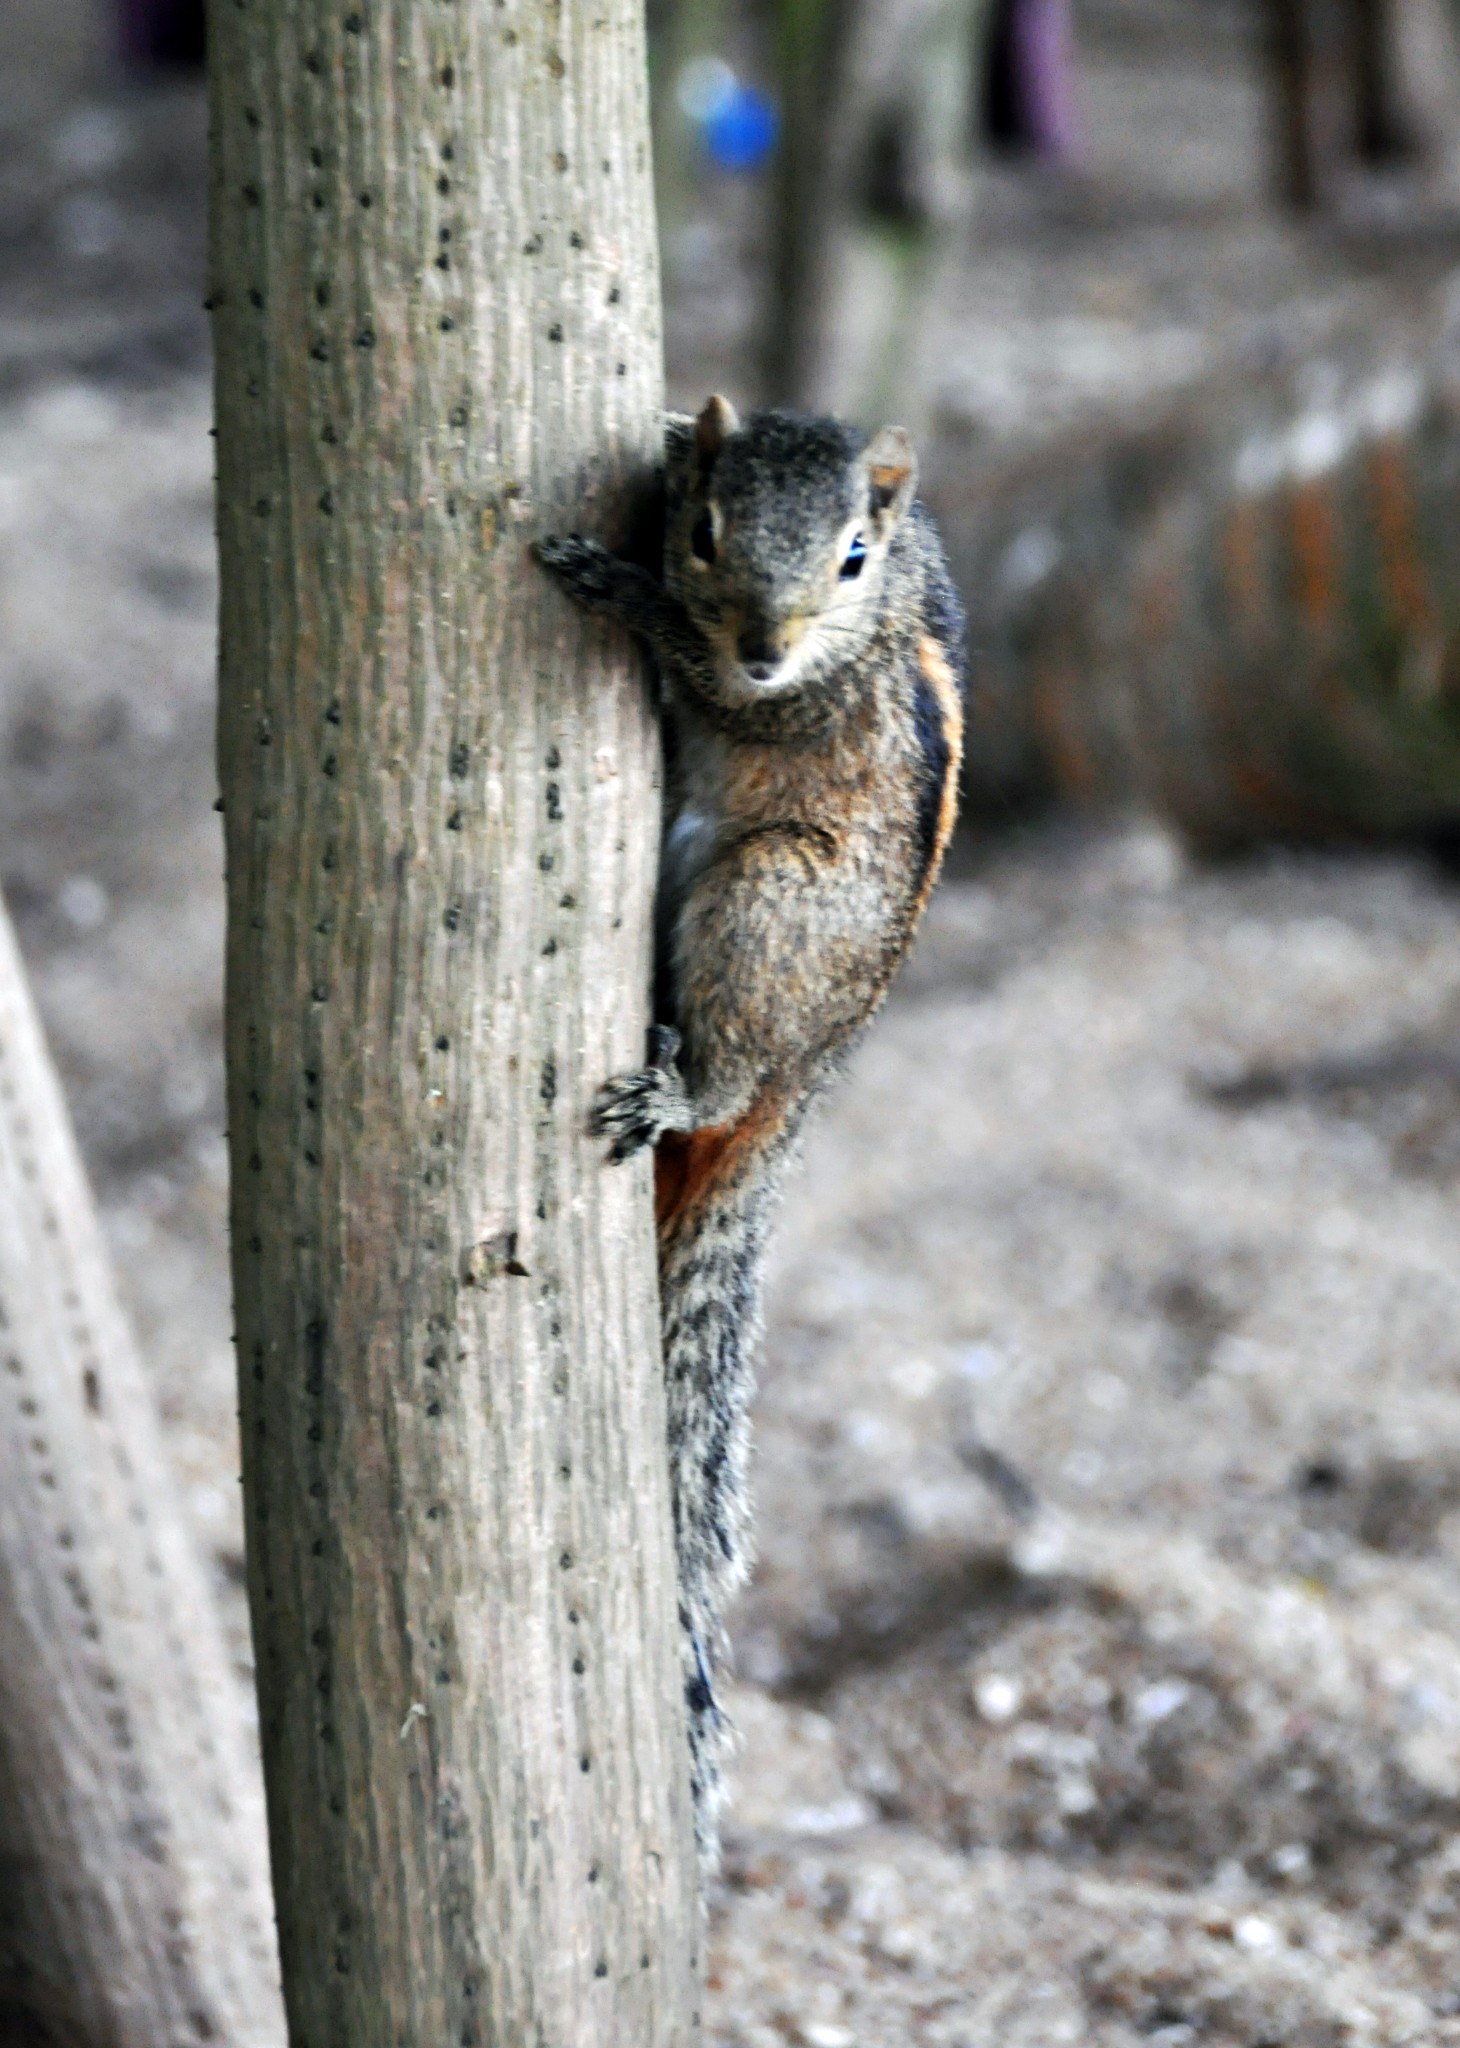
(736, 125)
(741, 131)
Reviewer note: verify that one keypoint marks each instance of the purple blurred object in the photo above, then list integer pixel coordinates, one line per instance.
(1044, 52)
(154, 34)
(1029, 78)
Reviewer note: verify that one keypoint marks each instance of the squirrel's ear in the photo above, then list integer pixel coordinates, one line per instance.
(718, 420)
(892, 475)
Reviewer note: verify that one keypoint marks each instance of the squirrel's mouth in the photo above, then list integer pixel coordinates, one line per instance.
(748, 680)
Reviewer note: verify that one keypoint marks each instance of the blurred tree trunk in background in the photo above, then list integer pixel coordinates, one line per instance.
(813, 45)
(1383, 136)
(679, 30)
(1307, 74)
(438, 334)
(873, 179)
(1335, 93)
(161, 32)
(1028, 81)
(1425, 70)
(1243, 612)
(134, 1898)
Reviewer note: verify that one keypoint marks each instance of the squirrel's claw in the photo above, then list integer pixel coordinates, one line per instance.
(624, 1111)
(587, 568)
(558, 550)
(633, 1109)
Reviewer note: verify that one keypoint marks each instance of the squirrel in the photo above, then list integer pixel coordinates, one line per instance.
(809, 646)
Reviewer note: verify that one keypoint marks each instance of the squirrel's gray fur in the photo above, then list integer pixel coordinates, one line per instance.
(810, 647)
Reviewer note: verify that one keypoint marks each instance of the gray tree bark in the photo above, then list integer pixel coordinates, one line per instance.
(134, 1901)
(438, 333)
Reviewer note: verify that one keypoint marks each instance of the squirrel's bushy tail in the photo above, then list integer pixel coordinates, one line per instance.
(714, 1193)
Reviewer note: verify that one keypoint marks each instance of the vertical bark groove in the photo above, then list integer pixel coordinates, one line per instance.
(437, 322)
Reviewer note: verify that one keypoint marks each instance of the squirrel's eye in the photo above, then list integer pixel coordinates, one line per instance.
(702, 538)
(855, 556)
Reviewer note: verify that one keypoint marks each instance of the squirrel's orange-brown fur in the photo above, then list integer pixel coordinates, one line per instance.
(809, 642)
(689, 1166)
(948, 690)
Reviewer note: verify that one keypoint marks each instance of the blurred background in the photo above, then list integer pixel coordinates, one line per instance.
(1101, 1680)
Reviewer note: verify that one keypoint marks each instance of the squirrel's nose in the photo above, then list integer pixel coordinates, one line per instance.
(761, 651)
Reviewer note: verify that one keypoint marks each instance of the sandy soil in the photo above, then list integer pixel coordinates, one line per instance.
(1105, 1635)
(1101, 1680)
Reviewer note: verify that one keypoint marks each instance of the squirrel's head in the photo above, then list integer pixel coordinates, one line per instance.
(777, 547)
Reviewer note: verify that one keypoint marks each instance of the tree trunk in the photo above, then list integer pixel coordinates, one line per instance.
(1240, 609)
(873, 185)
(134, 1904)
(1313, 114)
(1386, 134)
(1029, 79)
(438, 334)
(1335, 94)
(814, 42)
(679, 30)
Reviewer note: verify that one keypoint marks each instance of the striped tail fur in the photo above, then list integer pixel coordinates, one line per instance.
(715, 1193)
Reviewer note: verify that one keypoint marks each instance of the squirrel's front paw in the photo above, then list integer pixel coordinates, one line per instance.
(637, 1109)
(588, 569)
